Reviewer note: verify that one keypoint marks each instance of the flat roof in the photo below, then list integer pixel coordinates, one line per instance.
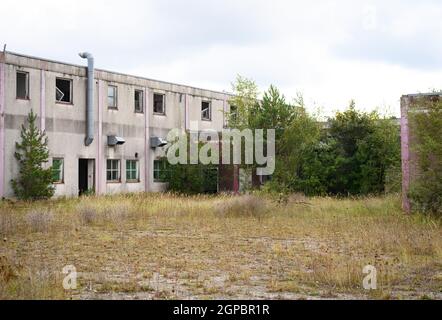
(427, 94)
(114, 72)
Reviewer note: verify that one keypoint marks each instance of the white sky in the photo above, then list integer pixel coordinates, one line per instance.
(331, 51)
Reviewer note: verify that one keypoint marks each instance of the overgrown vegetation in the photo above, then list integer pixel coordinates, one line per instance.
(426, 130)
(164, 246)
(187, 178)
(351, 154)
(32, 153)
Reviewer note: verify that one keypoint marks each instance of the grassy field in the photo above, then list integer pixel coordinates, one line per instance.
(160, 246)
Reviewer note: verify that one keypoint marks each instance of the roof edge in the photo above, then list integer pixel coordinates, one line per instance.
(115, 72)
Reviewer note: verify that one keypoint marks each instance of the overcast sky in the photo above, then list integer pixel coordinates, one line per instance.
(331, 51)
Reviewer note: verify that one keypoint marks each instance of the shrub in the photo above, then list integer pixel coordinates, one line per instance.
(117, 213)
(426, 128)
(242, 206)
(88, 213)
(114, 213)
(39, 220)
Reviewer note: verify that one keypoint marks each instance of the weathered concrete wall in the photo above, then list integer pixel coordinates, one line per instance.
(405, 153)
(2, 124)
(408, 143)
(65, 124)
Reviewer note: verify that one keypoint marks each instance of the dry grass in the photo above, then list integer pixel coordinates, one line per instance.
(241, 206)
(39, 220)
(161, 246)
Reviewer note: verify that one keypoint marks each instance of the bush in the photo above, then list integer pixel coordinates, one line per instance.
(242, 206)
(39, 220)
(91, 214)
(426, 128)
(88, 213)
(426, 193)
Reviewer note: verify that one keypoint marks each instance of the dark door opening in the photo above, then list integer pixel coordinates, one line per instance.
(86, 176)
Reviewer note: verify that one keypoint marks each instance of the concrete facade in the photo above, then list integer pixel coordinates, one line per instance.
(65, 123)
(408, 155)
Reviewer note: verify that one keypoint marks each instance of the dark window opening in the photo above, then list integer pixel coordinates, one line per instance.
(206, 113)
(233, 113)
(139, 103)
(158, 103)
(160, 170)
(63, 90)
(22, 85)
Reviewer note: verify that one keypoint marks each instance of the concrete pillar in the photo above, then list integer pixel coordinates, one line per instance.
(42, 100)
(405, 153)
(186, 113)
(146, 141)
(224, 112)
(2, 124)
(99, 163)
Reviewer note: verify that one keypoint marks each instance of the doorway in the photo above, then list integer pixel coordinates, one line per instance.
(86, 176)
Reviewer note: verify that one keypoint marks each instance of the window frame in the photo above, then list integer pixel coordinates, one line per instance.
(115, 106)
(117, 170)
(210, 110)
(141, 101)
(163, 167)
(60, 170)
(27, 85)
(137, 171)
(71, 91)
(163, 113)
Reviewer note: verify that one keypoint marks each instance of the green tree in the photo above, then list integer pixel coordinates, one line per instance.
(367, 145)
(243, 102)
(191, 178)
(34, 181)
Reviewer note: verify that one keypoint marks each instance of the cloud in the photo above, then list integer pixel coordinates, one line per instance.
(410, 36)
(332, 51)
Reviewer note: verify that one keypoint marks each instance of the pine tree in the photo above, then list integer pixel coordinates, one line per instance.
(34, 181)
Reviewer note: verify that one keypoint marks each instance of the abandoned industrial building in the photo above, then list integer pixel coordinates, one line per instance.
(106, 130)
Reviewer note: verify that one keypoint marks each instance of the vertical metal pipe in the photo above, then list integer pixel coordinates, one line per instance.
(146, 141)
(90, 98)
(99, 162)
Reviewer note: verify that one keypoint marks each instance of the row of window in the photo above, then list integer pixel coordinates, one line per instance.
(63, 94)
(113, 171)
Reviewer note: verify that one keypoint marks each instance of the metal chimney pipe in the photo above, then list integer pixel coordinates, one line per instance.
(90, 98)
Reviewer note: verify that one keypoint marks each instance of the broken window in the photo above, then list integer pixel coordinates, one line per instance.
(63, 90)
(139, 103)
(158, 103)
(22, 85)
(112, 96)
(206, 113)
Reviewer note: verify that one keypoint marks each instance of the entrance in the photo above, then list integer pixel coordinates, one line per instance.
(86, 176)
